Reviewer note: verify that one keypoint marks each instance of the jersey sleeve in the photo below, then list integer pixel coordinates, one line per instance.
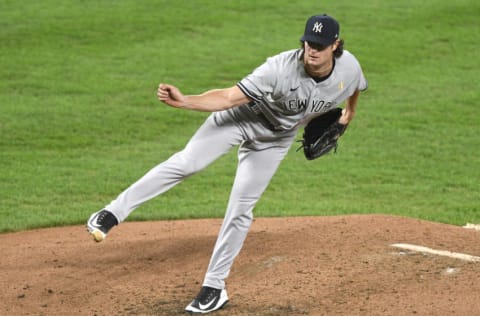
(261, 81)
(363, 83)
(354, 70)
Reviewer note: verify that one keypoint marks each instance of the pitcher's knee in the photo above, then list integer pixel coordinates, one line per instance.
(242, 220)
(185, 165)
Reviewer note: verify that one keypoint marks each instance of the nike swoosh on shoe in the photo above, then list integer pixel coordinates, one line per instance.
(208, 305)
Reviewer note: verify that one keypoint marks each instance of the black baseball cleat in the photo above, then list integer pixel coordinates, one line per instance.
(208, 300)
(100, 223)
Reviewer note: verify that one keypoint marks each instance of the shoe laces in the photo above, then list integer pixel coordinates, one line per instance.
(207, 294)
(106, 219)
(101, 217)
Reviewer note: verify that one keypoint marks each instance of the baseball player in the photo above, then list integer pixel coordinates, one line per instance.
(261, 114)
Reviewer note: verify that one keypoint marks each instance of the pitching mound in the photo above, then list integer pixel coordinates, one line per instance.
(288, 266)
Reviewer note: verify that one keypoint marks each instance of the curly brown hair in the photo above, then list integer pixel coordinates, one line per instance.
(339, 51)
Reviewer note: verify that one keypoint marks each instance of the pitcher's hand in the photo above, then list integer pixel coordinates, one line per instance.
(170, 95)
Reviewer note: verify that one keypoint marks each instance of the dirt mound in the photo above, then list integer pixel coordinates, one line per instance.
(288, 266)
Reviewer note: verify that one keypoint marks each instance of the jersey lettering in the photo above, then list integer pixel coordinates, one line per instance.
(301, 104)
(319, 105)
(295, 104)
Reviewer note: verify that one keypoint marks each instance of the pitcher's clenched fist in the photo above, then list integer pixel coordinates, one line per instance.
(170, 95)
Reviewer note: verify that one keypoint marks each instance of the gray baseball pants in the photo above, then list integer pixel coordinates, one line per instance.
(260, 153)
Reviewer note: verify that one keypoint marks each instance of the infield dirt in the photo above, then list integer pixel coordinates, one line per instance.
(288, 266)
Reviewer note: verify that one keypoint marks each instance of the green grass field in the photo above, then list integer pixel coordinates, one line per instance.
(79, 120)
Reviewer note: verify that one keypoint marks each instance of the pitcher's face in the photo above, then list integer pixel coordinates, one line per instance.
(318, 58)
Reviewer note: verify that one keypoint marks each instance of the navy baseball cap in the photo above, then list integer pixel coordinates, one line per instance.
(321, 29)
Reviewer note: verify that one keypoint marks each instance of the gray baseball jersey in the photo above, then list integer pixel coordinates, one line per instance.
(289, 97)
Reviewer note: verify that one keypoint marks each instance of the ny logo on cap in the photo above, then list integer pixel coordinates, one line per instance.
(317, 27)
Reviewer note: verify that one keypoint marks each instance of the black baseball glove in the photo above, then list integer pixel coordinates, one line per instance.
(321, 134)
